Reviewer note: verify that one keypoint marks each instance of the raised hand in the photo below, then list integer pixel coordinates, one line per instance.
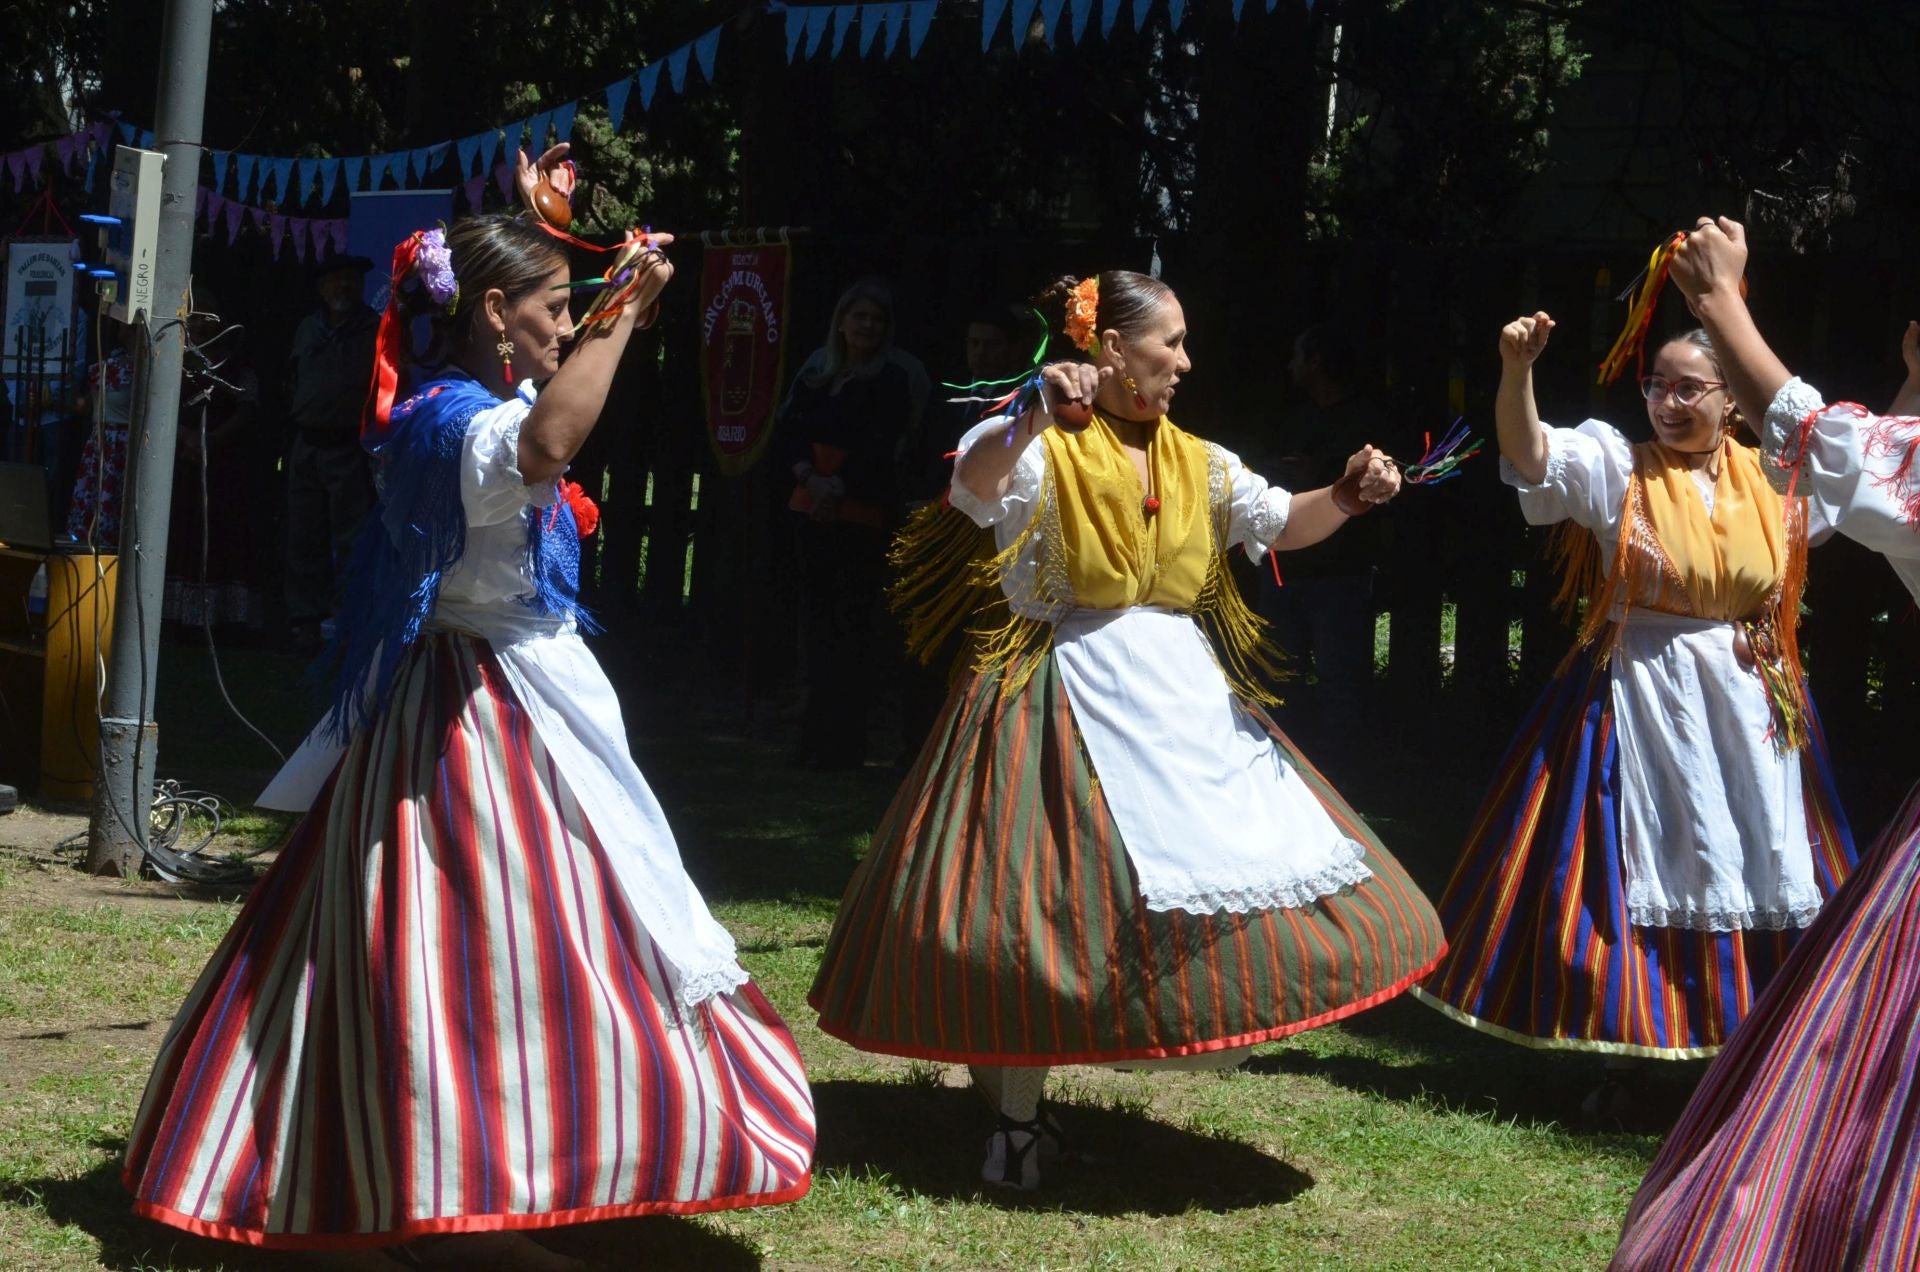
(1069, 389)
(1712, 258)
(552, 167)
(1377, 475)
(1522, 339)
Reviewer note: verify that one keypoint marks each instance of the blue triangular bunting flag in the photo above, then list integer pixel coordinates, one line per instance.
(356, 167)
(819, 18)
(489, 147)
(796, 27)
(282, 178)
(617, 101)
(1140, 10)
(537, 128)
(896, 23)
(990, 11)
(919, 18)
(872, 18)
(146, 139)
(468, 149)
(1050, 18)
(308, 171)
(329, 173)
(1022, 20)
(1109, 14)
(1082, 10)
(843, 15)
(1175, 10)
(220, 158)
(417, 164)
(649, 84)
(246, 177)
(705, 49)
(563, 121)
(677, 67)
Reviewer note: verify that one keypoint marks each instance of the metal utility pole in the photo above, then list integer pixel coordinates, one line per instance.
(123, 791)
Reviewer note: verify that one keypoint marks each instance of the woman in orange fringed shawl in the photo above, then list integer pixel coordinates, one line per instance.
(1665, 823)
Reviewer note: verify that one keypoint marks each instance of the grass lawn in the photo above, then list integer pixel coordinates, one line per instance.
(1394, 1140)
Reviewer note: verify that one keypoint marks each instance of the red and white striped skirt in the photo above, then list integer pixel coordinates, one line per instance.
(436, 1013)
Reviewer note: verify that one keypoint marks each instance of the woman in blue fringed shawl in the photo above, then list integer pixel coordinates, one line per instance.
(477, 992)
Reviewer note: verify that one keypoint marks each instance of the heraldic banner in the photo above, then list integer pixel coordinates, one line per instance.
(743, 341)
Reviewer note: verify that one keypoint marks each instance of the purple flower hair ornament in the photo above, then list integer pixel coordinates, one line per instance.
(435, 266)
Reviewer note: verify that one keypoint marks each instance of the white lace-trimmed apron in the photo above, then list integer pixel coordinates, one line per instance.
(1713, 825)
(1212, 815)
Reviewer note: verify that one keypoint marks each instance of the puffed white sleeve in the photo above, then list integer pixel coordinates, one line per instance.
(1022, 500)
(1257, 510)
(491, 487)
(1588, 469)
(1860, 472)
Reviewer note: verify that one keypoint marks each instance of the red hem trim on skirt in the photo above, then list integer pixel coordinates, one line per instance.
(460, 1223)
(1048, 1059)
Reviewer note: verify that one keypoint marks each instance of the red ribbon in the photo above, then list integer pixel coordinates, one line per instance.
(389, 347)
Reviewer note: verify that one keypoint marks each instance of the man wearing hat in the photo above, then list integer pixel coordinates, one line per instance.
(329, 485)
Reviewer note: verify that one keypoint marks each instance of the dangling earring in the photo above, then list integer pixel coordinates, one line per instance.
(505, 350)
(1127, 383)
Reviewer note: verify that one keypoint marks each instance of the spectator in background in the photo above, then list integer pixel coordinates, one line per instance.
(846, 432)
(998, 343)
(210, 558)
(1322, 613)
(329, 485)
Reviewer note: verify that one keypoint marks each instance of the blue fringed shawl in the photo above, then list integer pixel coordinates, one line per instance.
(414, 535)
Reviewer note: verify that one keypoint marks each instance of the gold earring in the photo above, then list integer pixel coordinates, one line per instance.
(1128, 383)
(505, 350)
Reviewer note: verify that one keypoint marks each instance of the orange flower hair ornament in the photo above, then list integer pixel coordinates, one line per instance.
(1083, 307)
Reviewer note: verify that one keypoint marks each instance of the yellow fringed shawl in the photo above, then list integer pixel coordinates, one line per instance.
(1745, 564)
(1097, 549)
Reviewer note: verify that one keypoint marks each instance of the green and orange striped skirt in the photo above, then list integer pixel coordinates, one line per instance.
(995, 919)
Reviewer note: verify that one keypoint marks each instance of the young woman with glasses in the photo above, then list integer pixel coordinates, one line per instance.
(1665, 822)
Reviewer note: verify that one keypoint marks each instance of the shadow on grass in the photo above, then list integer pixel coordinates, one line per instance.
(97, 1204)
(930, 1140)
(1459, 1069)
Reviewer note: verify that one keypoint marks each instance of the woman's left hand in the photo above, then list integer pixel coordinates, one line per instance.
(1378, 475)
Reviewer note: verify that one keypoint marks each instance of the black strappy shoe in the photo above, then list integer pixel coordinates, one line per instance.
(1010, 1164)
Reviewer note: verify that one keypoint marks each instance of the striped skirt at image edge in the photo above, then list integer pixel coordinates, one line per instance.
(1801, 1148)
(1541, 951)
(995, 919)
(436, 1014)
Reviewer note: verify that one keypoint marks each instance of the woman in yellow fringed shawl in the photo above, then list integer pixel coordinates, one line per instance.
(1665, 822)
(1105, 852)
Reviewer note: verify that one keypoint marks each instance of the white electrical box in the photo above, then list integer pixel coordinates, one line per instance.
(130, 243)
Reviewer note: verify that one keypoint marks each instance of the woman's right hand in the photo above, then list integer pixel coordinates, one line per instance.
(1522, 339)
(1072, 384)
